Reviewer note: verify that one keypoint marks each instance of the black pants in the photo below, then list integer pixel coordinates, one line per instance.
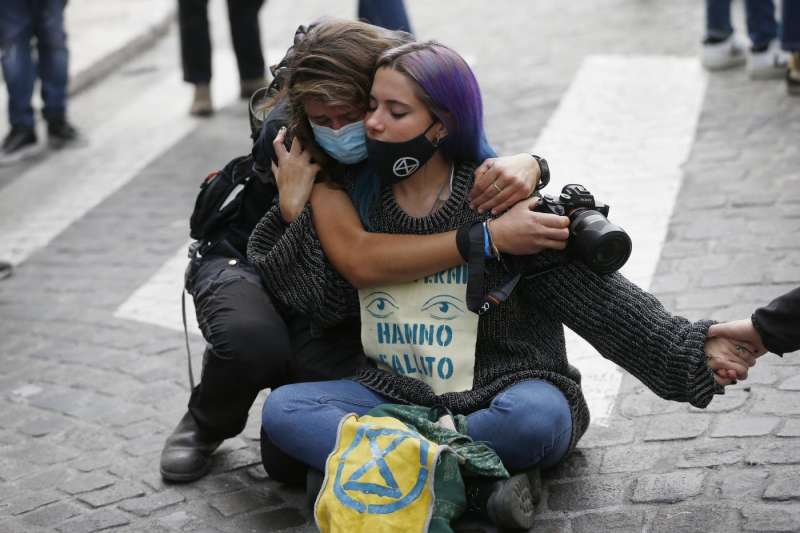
(196, 40)
(252, 347)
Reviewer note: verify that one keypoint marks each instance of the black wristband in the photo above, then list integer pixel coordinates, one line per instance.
(462, 240)
(544, 172)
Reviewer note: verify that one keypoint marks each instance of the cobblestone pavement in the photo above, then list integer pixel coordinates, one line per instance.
(87, 399)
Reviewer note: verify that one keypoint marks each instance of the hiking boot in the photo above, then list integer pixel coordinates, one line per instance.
(769, 63)
(60, 133)
(19, 142)
(724, 54)
(201, 104)
(248, 87)
(187, 453)
(507, 503)
(793, 74)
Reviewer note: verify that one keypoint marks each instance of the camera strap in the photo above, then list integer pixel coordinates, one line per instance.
(478, 299)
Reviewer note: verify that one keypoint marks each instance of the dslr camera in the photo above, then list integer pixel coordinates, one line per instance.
(604, 247)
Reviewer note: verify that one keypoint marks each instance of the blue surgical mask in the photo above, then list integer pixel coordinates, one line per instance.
(347, 145)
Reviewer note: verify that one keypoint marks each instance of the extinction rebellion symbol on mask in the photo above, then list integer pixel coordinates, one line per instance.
(405, 166)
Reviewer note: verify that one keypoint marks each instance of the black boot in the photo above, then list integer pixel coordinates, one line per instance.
(187, 453)
(507, 503)
(279, 465)
(314, 481)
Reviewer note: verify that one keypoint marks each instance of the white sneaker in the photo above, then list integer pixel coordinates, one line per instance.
(727, 54)
(769, 64)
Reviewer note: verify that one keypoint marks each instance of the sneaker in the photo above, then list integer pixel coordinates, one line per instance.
(793, 74)
(201, 104)
(507, 503)
(60, 133)
(768, 64)
(724, 54)
(19, 142)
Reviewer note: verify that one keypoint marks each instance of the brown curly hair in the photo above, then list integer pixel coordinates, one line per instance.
(334, 62)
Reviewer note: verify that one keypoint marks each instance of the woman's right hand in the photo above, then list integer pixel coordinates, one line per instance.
(294, 174)
(522, 231)
(729, 360)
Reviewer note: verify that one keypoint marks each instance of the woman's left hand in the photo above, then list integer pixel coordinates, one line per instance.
(501, 182)
(728, 359)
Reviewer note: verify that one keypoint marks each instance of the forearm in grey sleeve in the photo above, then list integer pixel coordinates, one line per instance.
(631, 328)
(295, 270)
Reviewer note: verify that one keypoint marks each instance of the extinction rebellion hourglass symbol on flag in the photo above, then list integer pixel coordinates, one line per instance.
(402, 482)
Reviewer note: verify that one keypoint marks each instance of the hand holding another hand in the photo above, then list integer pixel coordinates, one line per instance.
(740, 330)
(730, 360)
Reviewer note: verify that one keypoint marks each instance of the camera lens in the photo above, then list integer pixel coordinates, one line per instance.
(603, 246)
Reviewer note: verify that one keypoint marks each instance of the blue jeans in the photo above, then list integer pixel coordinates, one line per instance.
(390, 14)
(528, 424)
(20, 22)
(761, 24)
(790, 17)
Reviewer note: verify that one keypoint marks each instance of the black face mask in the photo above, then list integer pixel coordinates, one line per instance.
(394, 162)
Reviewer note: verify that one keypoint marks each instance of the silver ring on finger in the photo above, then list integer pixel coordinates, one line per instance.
(496, 186)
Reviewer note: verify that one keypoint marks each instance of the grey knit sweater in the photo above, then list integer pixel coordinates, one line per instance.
(518, 340)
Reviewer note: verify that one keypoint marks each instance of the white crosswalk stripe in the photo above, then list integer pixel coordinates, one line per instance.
(623, 129)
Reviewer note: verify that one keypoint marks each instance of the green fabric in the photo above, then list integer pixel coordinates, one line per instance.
(476, 459)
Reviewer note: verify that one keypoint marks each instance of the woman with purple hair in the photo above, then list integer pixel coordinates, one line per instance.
(507, 370)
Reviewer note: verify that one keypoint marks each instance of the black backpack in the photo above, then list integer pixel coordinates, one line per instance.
(220, 198)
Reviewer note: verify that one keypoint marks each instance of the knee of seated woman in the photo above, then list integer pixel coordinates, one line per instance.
(540, 410)
(275, 414)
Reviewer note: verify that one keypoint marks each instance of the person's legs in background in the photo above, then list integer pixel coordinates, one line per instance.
(790, 41)
(196, 53)
(721, 48)
(19, 73)
(389, 14)
(246, 37)
(766, 60)
(54, 71)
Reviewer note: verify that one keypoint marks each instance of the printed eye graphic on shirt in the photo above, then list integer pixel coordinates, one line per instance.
(422, 330)
(444, 307)
(380, 304)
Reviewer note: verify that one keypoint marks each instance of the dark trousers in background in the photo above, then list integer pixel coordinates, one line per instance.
(389, 14)
(761, 24)
(790, 15)
(20, 22)
(196, 39)
(252, 348)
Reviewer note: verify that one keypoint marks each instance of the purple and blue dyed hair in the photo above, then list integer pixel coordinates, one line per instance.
(447, 86)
